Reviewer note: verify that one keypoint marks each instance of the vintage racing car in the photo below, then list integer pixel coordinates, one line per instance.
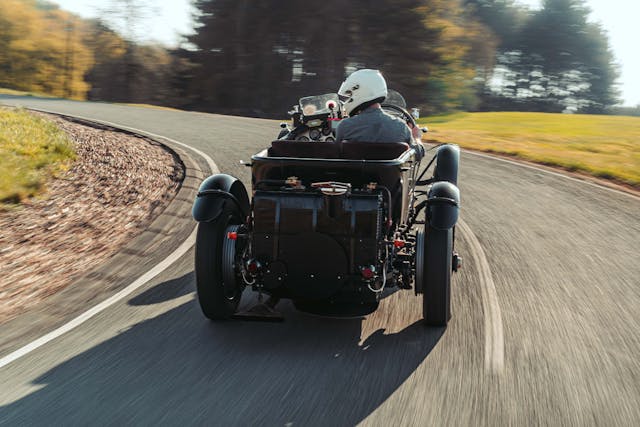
(330, 224)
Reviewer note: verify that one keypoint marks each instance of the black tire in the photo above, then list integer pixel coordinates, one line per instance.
(218, 300)
(436, 286)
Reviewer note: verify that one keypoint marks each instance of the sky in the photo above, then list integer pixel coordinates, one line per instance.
(166, 21)
(170, 18)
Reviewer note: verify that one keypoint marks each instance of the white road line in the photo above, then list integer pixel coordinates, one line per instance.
(557, 174)
(140, 281)
(159, 268)
(493, 334)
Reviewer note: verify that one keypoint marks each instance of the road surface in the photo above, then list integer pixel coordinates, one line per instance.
(545, 327)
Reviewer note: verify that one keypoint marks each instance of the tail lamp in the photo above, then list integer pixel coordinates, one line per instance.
(368, 272)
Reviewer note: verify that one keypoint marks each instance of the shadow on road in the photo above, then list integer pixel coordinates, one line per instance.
(165, 291)
(179, 367)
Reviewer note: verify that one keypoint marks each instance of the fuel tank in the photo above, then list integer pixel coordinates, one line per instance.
(312, 244)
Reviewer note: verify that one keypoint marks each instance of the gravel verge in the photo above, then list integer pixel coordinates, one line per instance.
(118, 184)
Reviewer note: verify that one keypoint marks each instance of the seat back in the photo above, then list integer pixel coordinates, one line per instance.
(373, 150)
(302, 149)
(338, 150)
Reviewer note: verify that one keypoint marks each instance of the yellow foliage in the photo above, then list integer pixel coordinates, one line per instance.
(42, 50)
(465, 50)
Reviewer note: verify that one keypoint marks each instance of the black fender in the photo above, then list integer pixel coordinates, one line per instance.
(448, 159)
(215, 192)
(443, 205)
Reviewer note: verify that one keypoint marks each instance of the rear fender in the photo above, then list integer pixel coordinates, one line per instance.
(448, 159)
(215, 192)
(443, 205)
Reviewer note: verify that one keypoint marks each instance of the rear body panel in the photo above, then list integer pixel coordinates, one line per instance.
(314, 244)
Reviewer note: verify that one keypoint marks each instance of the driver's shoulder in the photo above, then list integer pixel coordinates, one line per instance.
(352, 122)
(392, 118)
(395, 122)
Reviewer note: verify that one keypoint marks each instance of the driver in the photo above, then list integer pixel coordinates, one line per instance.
(361, 94)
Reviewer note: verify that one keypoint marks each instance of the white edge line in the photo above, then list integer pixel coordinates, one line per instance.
(493, 330)
(140, 281)
(557, 174)
(72, 324)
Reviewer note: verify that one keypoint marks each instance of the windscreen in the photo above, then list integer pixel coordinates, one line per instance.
(319, 104)
(394, 98)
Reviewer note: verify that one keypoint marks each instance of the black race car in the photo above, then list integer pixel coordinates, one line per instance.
(330, 225)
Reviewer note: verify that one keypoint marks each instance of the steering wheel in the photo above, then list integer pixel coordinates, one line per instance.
(402, 112)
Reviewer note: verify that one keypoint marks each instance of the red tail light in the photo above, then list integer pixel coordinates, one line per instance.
(399, 243)
(368, 272)
(253, 266)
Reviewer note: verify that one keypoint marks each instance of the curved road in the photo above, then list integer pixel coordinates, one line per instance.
(546, 326)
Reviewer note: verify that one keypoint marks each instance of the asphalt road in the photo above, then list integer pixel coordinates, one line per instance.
(546, 326)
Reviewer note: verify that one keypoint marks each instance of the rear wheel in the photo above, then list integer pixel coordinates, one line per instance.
(218, 285)
(436, 276)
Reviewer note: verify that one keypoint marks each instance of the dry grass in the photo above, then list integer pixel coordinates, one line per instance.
(603, 146)
(155, 107)
(31, 151)
(5, 91)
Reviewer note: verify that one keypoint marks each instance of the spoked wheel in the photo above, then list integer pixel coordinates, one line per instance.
(433, 274)
(218, 284)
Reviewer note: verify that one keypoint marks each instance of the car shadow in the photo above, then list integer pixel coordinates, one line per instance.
(165, 291)
(179, 367)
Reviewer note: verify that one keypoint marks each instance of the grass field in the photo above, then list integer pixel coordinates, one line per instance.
(31, 151)
(603, 146)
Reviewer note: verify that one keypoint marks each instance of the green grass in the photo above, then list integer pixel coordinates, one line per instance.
(32, 150)
(602, 146)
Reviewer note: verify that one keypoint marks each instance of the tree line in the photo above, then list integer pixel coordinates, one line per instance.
(47, 50)
(256, 57)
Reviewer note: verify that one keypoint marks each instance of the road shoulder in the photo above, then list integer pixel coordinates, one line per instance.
(163, 235)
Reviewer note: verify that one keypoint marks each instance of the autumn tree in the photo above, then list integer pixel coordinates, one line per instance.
(41, 49)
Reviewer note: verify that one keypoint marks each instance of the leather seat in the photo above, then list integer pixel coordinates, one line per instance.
(373, 150)
(338, 150)
(303, 149)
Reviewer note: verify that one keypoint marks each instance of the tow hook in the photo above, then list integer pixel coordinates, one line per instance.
(456, 263)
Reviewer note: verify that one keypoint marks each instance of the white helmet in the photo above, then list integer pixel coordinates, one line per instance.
(360, 88)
